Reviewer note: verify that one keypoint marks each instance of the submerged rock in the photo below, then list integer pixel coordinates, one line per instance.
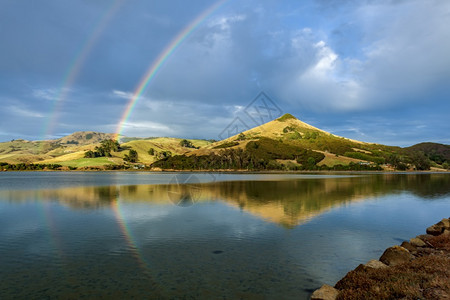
(326, 292)
(396, 255)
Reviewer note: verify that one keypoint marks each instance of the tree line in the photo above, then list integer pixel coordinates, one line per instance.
(105, 149)
(28, 167)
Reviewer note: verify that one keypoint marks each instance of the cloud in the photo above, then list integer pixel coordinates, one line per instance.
(300, 66)
(406, 53)
(329, 61)
(24, 112)
(146, 127)
(122, 94)
(51, 94)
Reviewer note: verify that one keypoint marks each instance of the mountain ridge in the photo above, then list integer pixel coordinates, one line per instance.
(283, 143)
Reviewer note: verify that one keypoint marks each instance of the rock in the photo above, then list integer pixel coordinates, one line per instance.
(326, 292)
(360, 268)
(424, 237)
(435, 229)
(446, 232)
(445, 222)
(439, 227)
(375, 264)
(408, 246)
(371, 264)
(417, 242)
(395, 256)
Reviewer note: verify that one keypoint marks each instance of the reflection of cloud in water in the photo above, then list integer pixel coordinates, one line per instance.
(141, 211)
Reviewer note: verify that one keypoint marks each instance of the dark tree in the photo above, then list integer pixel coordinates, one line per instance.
(240, 137)
(89, 154)
(163, 154)
(132, 156)
(420, 161)
(187, 144)
(104, 150)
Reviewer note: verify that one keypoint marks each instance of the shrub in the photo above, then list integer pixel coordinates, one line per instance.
(226, 145)
(132, 156)
(187, 144)
(286, 117)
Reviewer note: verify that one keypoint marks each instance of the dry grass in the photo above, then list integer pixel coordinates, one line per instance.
(159, 144)
(426, 277)
(332, 159)
(441, 242)
(72, 154)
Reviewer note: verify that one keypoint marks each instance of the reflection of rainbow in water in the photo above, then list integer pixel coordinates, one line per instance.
(76, 65)
(53, 236)
(163, 56)
(115, 205)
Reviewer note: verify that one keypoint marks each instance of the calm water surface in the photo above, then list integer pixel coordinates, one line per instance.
(202, 236)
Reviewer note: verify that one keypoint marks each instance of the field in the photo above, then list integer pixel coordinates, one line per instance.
(89, 162)
(73, 155)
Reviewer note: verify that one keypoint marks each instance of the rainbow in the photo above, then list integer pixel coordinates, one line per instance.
(76, 65)
(163, 56)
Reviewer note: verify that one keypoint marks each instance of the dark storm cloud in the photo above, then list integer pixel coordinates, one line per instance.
(350, 67)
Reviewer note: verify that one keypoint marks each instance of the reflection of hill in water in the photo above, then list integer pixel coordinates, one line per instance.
(286, 202)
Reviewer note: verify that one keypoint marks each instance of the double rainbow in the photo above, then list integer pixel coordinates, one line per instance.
(156, 65)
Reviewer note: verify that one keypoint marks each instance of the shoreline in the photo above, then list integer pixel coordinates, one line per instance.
(417, 269)
(311, 172)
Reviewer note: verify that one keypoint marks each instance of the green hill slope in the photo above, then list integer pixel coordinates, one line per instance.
(287, 143)
(438, 153)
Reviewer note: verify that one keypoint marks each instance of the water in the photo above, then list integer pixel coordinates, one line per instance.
(202, 236)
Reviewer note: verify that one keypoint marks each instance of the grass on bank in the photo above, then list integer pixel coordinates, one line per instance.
(426, 277)
(88, 162)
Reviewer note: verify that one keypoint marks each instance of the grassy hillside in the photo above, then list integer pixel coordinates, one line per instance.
(23, 151)
(81, 138)
(159, 145)
(438, 153)
(285, 143)
(263, 147)
(74, 156)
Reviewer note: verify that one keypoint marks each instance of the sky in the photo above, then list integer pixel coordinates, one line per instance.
(370, 70)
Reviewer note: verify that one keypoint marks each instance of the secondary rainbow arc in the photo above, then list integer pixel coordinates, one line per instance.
(76, 65)
(162, 57)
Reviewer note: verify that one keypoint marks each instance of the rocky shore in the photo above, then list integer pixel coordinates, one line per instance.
(418, 269)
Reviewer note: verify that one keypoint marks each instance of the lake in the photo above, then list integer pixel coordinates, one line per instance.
(148, 235)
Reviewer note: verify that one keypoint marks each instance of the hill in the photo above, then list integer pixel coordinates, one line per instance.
(70, 150)
(162, 147)
(285, 143)
(439, 153)
(23, 151)
(83, 138)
